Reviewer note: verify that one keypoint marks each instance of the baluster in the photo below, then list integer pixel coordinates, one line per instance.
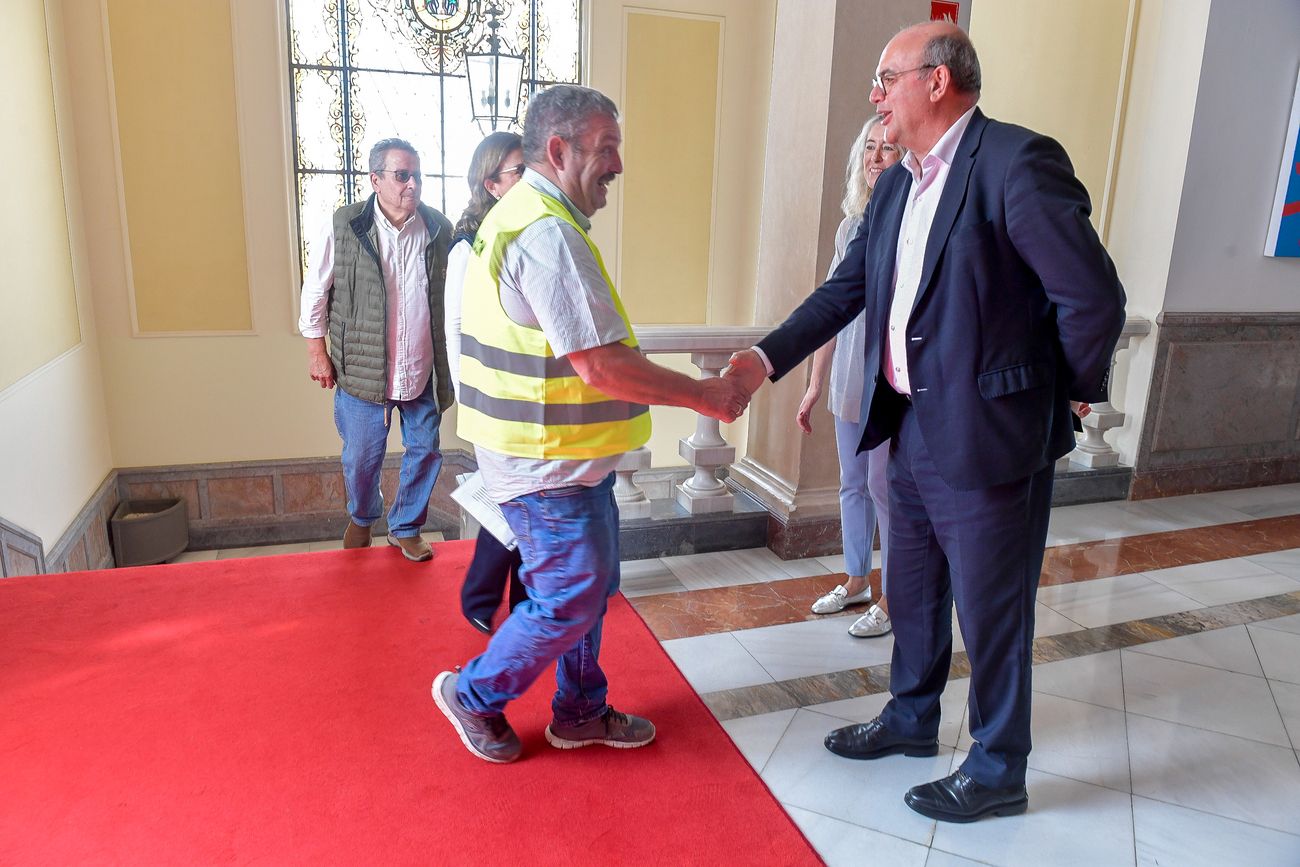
(707, 451)
(631, 499)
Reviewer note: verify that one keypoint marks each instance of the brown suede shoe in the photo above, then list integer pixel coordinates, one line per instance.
(413, 548)
(356, 536)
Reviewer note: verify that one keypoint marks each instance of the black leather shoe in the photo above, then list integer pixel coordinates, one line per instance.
(481, 624)
(958, 798)
(872, 740)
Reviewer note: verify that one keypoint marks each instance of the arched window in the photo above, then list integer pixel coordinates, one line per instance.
(365, 70)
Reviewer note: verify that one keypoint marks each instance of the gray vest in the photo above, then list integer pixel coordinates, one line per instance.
(358, 303)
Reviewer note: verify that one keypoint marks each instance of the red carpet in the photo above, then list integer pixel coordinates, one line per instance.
(277, 710)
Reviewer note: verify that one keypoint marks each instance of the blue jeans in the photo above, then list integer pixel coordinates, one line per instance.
(364, 430)
(569, 542)
(864, 500)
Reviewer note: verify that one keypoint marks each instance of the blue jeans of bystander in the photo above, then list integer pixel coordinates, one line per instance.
(364, 430)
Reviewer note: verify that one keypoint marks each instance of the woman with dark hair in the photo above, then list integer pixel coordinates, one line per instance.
(497, 164)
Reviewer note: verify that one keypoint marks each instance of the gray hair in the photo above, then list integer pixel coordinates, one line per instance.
(856, 191)
(379, 153)
(562, 110)
(955, 51)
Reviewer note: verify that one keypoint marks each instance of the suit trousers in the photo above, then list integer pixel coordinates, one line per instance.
(982, 549)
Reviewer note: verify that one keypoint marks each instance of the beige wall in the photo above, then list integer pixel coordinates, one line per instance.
(1059, 68)
(37, 293)
(54, 449)
(173, 104)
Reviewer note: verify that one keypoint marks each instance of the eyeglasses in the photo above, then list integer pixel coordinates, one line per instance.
(886, 148)
(400, 175)
(517, 171)
(886, 80)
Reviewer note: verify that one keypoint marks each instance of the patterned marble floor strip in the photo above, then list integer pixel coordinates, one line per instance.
(684, 614)
(805, 691)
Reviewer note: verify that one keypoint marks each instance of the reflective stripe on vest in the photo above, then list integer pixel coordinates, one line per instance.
(516, 397)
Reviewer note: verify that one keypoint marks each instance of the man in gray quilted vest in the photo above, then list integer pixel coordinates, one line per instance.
(375, 285)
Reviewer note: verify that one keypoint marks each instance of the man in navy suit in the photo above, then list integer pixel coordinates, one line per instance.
(990, 306)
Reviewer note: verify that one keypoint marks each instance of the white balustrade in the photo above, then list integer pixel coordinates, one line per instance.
(1092, 451)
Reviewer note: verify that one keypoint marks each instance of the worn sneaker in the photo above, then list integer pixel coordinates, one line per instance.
(413, 548)
(488, 737)
(614, 729)
(839, 599)
(873, 624)
(356, 536)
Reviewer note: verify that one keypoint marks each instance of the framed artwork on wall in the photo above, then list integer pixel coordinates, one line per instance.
(1284, 222)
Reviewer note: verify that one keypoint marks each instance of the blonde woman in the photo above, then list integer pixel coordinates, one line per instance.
(864, 500)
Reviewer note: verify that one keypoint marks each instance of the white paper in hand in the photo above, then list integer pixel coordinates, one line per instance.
(473, 498)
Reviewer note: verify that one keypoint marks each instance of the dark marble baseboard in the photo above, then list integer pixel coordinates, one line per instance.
(671, 531)
(84, 545)
(1224, 407)
(21, 551)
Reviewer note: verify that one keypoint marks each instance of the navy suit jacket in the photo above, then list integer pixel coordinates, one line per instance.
(1018, 311)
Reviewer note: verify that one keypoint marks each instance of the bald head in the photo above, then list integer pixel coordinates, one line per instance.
(942, 43)
(928, 77)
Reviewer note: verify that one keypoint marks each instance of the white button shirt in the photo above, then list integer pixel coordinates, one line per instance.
(407, 334)
(928, 178)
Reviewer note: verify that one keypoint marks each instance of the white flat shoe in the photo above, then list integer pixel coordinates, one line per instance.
(873, 624)
(839, 599)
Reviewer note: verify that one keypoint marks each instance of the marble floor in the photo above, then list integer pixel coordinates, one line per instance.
(1166, 690)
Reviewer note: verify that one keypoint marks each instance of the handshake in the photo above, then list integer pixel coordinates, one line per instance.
(725, 397)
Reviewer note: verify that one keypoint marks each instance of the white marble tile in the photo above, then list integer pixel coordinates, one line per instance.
(647, 577)
(1114, 600)
(810, 647)
(1269, 501)
(835, 562)
(730, 568)
(1095, 679)
(1290, 623)
(1207, 698)
(802, 773)
(1220, 581)
(432, 537)
(1070, 525)
(325, 545)
(713, 662)
(1229, 649)
(1084, 742)
(1287, 696)
(947, 859)
(952, 709)
(841, 843)
(1283, 562)
(757, 736)
(1217, 773)
(1068, 822)
(1195, 510)
(1279, 653)
(194, 556)
(1170, 835)
(264, 551)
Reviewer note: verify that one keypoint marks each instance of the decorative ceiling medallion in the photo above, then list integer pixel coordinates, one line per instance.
(442, 16)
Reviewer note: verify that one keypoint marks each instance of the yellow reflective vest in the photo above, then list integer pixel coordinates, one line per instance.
(516, 397)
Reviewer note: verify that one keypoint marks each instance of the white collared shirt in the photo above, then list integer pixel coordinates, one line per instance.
(407, 334)
(928, 178)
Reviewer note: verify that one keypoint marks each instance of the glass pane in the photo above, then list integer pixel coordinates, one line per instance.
(320, 195)
(559, 33)
(457, 198)
(387, 36)
(432, 195)
(317, 108)
(314, 31)
(462, 134)
(405, 106)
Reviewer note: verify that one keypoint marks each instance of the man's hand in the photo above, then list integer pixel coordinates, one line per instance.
(721, 399)
(1079, 408)
(746, 370)
(319, 366)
